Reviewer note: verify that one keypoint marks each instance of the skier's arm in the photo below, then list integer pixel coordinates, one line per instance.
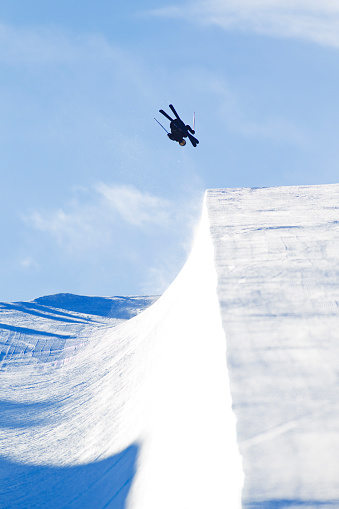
(189, 128)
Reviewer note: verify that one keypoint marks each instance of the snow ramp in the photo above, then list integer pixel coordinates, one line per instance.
(133, 414)
(234, 369)
(277, 259)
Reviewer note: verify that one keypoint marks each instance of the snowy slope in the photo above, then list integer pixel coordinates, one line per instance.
(106, 406)
(51, 328)
(277, 258)
(45, 394)
(104, 412)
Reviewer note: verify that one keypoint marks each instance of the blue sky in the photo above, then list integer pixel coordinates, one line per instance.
(94, 198)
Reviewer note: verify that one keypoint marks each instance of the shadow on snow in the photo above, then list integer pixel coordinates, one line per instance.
(34, 332)
(42, 312)
(98, 485)
(113, 307)
(16, 415)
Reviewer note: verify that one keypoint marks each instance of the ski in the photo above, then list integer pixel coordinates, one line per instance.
(193, 140)
(174, 111)
(165, 114)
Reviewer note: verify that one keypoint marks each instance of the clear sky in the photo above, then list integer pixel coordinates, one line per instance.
(94, 198)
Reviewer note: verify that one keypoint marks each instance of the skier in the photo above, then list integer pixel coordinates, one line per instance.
(179, 130)
(177, 133)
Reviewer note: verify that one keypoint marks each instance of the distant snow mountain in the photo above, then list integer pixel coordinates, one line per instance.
(221, 393)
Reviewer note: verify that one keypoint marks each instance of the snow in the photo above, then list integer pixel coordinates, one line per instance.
(277, 258)
(137, 413)
(223, 392)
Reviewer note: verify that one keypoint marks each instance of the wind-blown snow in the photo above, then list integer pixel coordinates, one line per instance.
(134, 413)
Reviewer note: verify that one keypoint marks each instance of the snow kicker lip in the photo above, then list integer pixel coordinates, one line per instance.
(157, 383)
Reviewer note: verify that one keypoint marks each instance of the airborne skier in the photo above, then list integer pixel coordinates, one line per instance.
(179, 130)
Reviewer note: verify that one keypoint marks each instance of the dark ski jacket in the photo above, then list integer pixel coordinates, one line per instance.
(179, 129)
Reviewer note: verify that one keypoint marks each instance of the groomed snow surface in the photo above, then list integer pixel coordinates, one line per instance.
(277, 258)
(135, 403)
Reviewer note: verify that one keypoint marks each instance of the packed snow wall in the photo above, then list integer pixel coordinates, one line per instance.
(133, 414)
(277, 259)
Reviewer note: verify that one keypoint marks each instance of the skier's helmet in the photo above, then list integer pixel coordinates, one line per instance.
(182, 142)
